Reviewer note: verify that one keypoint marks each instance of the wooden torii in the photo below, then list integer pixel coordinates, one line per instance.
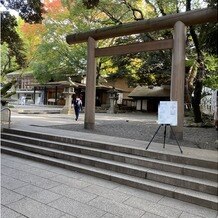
(177, 44)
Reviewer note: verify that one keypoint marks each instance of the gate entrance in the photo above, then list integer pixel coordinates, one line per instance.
(176, 21)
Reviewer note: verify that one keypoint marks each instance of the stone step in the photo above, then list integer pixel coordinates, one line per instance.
(129, 169)
(174, 158)
(187, 170)
(187, 195)
(39, 111)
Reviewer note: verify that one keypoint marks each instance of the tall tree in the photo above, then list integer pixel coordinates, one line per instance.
(10, 36)
(151, 69)
(30, 11)
(12, 53)
(32, 35)
(54, 59)
(203, 40)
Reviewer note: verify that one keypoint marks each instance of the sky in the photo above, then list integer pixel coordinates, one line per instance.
(12, 12)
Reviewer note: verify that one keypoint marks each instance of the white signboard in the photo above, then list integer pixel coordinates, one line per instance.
(167, 113)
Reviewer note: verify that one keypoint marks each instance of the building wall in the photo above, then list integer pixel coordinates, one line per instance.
(121, 83)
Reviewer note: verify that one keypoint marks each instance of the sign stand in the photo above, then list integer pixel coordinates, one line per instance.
(167, 116)
(165, 127)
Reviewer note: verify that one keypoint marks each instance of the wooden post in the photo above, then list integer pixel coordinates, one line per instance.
(90, 86)
(178, 74)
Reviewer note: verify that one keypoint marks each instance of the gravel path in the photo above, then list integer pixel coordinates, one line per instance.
(144, 129)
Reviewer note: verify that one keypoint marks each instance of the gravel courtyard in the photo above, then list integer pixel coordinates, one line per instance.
(143, 127)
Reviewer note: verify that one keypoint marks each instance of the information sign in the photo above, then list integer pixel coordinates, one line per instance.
(167, 113)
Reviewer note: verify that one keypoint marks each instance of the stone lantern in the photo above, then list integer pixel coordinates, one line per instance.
(68, 92)
(113, 96)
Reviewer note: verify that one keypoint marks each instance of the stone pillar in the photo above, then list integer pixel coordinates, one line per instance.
(178, 74)
(90, 86)
(70, 104)
(113, 96)
(67, 109)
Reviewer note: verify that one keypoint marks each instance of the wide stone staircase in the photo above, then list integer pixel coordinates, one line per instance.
(188, 179)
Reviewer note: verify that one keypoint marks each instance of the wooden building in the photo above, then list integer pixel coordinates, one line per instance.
(147, 98)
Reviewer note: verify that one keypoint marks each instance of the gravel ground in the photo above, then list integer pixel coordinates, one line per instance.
(197, 137)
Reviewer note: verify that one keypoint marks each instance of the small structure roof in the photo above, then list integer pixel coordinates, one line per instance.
(106, 87)
(74, 84)
(20, 73)
(153, 91)
(59, 83)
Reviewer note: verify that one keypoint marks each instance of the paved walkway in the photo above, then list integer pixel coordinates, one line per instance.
(32, 189)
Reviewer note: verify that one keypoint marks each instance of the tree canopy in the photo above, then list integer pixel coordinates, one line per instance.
(12, 39)
(30, 11)
(13, 54)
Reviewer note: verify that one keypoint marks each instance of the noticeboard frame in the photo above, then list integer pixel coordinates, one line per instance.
(168, 113)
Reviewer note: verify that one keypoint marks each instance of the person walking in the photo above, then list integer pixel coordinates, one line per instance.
(77, 103)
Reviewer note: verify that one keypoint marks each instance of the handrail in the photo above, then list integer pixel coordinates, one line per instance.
(9, 115)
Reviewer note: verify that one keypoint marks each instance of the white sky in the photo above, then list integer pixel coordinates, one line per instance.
(12, 12)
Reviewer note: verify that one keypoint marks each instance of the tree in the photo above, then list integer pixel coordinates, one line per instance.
(62, 60)
(202, 39)
(31, 35)
(30, 11)
(53, 59)
(211, 79)
(11, 37)
(90, 3)
(11, 42)
(143, 68)
(8, 62)
(12, 53)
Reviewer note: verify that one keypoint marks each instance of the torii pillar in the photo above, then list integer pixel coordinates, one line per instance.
(178, 75)
(90, 86)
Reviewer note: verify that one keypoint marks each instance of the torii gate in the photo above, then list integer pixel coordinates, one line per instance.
(177, 44)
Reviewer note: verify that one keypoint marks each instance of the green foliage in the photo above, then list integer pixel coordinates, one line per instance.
(30, 11)
(8, 62)
(211, 3)
(90, 3)
(208, 38)
(10, 36)
(211, 62)
(12, 48)
(55, 60)
(7, 87)
(211, 78)
(12, 53)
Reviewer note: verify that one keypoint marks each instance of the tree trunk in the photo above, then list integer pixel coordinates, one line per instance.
(187, 96)
(98, 69)
(196, 100)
